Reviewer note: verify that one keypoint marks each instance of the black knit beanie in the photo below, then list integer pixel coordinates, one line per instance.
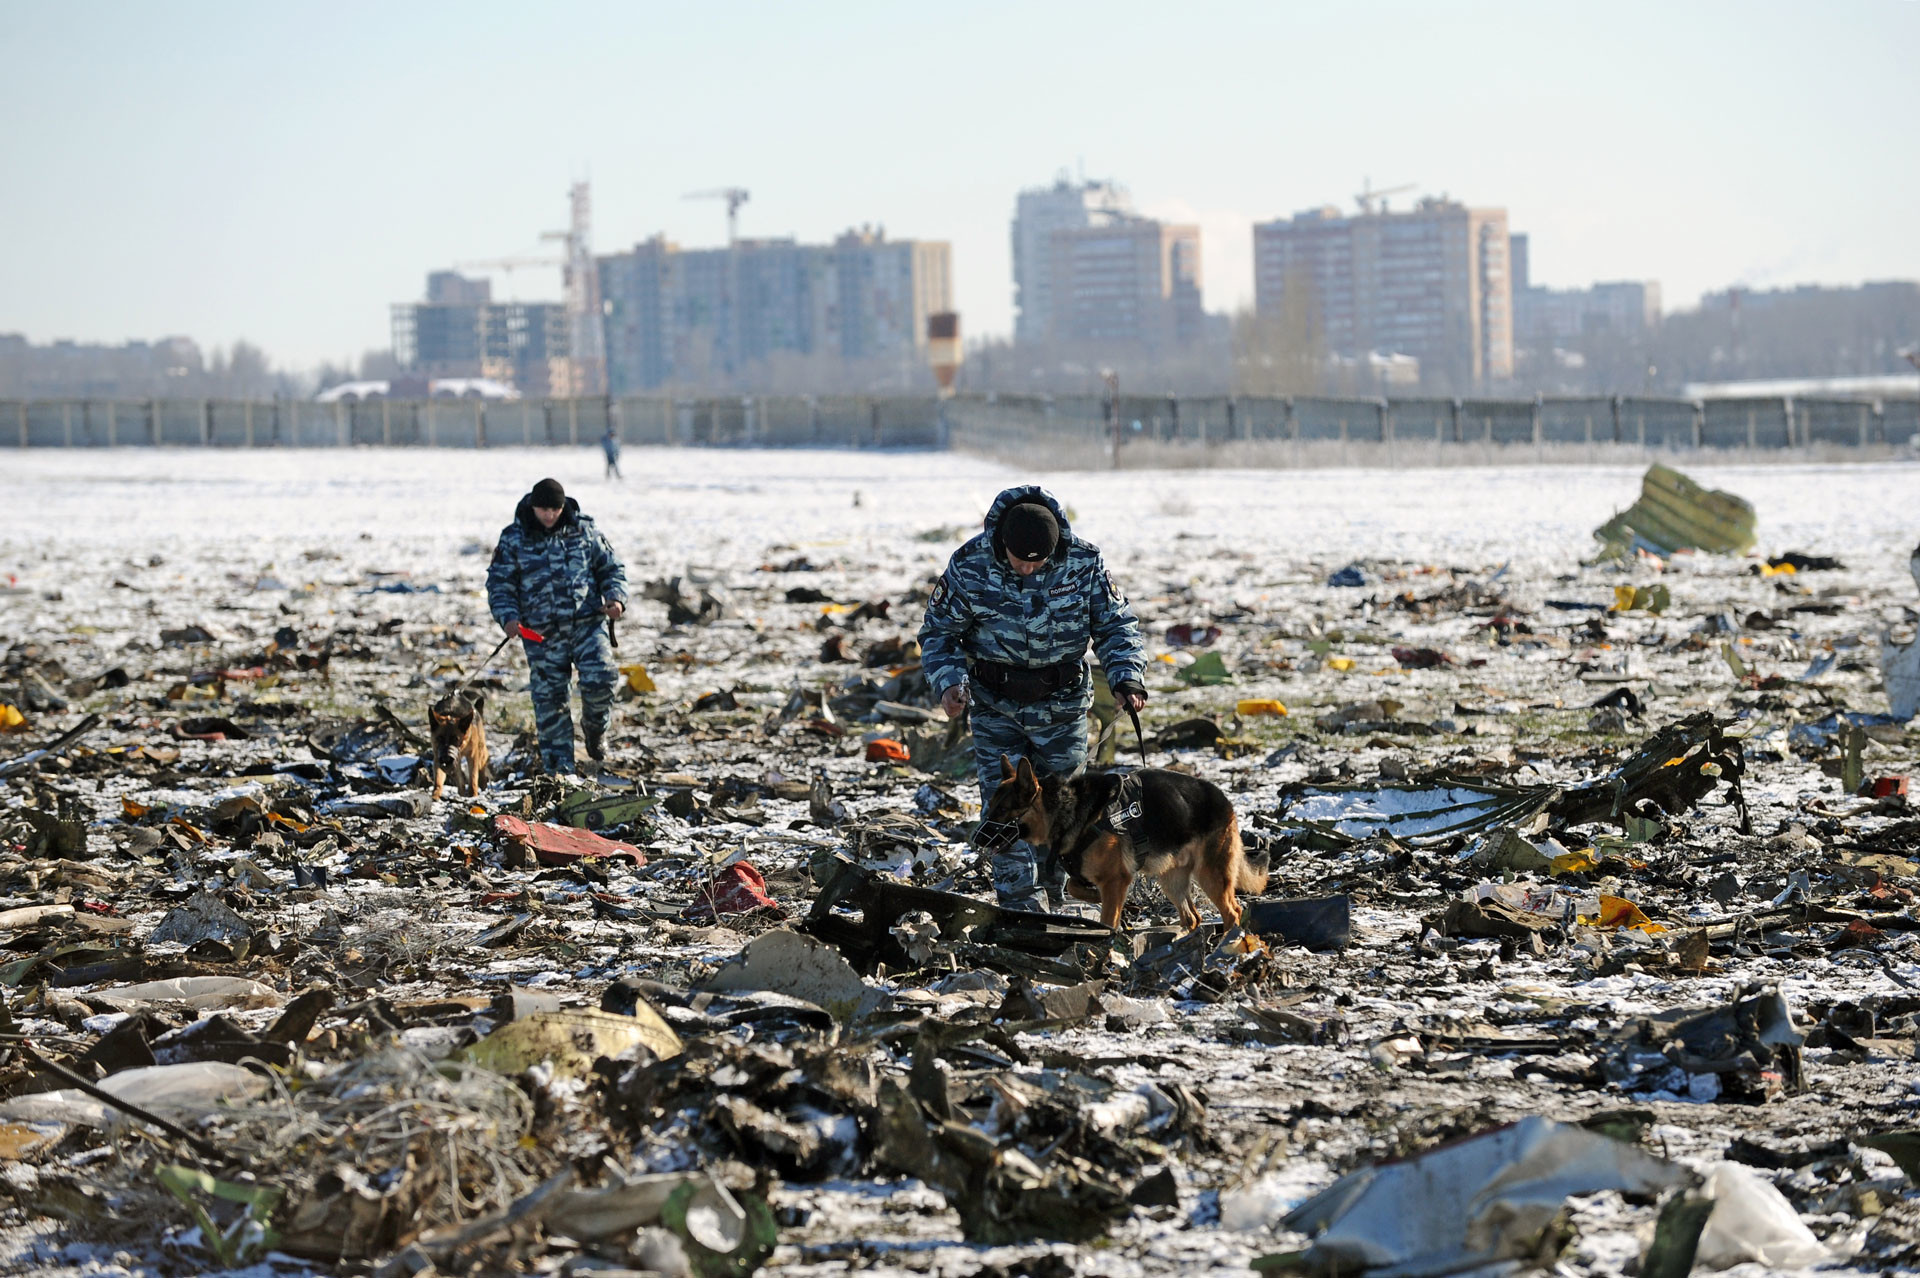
(1029, 531)
(549, 495)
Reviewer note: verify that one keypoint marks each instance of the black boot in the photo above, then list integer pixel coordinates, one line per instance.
(597, 746)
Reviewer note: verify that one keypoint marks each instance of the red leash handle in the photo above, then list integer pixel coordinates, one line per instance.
(531, 636)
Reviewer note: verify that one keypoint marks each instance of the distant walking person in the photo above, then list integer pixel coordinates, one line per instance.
(556, 575)
(610, 445)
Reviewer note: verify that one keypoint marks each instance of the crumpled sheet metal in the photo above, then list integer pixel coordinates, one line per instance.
(1414, 815)
(790, 963)
(1001, 1195)
(1750, 1047)
(1474, 1202)
(1674, 769)
(883, 902)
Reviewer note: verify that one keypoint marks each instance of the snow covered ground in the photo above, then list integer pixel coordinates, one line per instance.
(682, 506)
(100, 550)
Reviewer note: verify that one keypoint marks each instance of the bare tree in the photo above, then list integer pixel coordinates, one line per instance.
(1284, 352)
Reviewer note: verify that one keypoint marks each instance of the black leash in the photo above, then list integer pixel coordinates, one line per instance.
(462, 685)
(1138, 735)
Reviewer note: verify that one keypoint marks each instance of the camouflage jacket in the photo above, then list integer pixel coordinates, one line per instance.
(982, 609)
(541, 575)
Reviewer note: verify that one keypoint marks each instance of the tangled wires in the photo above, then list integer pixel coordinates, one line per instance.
(384, 1148)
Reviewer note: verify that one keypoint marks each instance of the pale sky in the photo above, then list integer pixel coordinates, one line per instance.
(284, 171)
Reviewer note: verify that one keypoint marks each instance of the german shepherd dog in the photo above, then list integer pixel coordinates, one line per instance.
(459, 742)
(1109, 827)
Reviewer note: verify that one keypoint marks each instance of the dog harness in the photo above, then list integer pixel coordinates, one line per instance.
(1115, 819)
(1125, 809)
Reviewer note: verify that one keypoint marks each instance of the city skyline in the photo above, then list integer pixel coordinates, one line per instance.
(1631, 143)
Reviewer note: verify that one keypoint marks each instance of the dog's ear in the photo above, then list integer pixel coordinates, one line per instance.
(1006, 768)
(1025, 775)
(479, 703)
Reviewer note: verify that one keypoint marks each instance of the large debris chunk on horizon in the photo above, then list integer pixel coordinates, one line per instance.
(1674, 513)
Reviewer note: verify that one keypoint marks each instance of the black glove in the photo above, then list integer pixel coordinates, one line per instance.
(1129, 686)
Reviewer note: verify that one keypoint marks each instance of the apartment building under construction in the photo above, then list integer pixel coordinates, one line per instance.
(693, 316)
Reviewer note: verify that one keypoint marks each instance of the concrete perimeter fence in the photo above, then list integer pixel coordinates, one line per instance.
(1162, 431)
(1067, 430)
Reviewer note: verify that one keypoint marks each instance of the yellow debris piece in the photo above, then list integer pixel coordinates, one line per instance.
(11, 720)
(1580, 862)
(638, 679)
(572, 1040)
(1246, 708)
(1617, 913)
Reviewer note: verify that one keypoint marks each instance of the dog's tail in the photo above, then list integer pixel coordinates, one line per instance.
(1249, 868)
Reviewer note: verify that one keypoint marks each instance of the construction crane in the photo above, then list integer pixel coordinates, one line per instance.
(509, 264)
(1368, 195)
(735, 196)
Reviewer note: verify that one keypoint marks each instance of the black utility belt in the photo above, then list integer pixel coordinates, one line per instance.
(1028, 684)
(567, 623)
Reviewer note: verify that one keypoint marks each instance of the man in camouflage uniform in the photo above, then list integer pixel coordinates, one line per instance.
(556, 574)
(1006, 632)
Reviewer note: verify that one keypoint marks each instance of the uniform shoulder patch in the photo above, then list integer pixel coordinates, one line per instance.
(939, 595)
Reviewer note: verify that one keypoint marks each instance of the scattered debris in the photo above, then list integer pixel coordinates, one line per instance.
(1544, 838)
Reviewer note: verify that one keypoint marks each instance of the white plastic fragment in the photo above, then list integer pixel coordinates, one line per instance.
(171, 1091)
(1751, 1221)
(201, 993)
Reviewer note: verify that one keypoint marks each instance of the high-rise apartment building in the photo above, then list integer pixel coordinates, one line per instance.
(1133, 281)
(1038, 213)
(699, 315)
(1434, 282)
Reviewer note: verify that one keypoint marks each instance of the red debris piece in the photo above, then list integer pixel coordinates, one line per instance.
(1858, 932)
(1885, 787)
(886, 750)
(95, 907)
(1885, 891)
(560, 844)
(1421, 658)
(738, 889)
(1190, 636)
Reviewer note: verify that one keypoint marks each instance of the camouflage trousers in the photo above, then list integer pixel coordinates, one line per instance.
(580, 644)
(1053, 737)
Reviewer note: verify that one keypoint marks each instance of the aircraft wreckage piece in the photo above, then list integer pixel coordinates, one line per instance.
(1673, 771)
(1674, 513)
(883, 902)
